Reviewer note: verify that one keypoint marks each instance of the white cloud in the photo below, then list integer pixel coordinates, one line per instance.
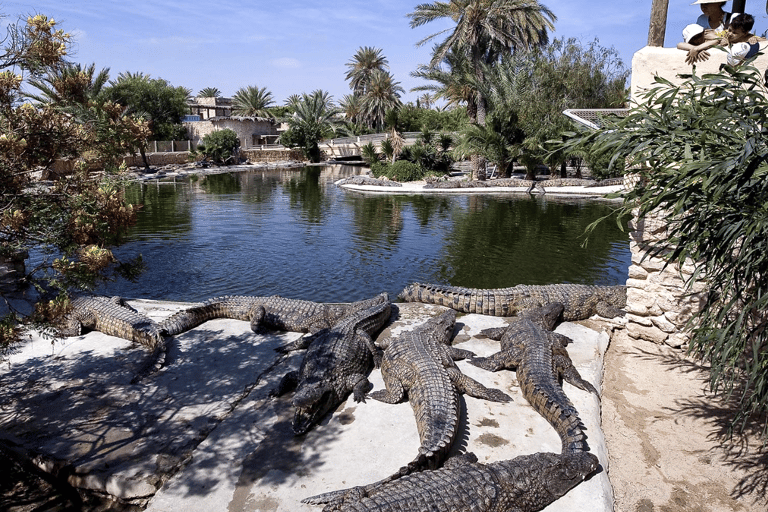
(286, 62)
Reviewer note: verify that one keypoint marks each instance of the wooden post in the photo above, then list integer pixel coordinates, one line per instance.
(658, 23)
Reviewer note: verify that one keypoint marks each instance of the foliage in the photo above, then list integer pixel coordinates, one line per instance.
(209, 92)
(314, 119)
(71, 222)
(484, 32)
(364, 63)
(700, 150)
(401, 170)
(416, 119)
(527, 93)
(220, 145)
(153, 99)
(252, 101)
(369, 153)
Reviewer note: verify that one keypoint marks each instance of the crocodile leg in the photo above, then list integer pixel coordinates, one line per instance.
(360, 386)
(471, 387)
(570, 374)
(503, 360)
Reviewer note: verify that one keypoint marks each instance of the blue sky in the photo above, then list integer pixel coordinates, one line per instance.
(295, 46)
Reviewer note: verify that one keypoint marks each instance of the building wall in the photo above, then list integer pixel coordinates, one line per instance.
(250, 131)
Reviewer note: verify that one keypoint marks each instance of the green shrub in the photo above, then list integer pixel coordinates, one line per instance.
(401, 171)
(220, 145)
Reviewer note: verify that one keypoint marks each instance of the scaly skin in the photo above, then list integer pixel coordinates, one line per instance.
(273, 312)
(420, 364)
(540, 358)
(337, 362)
(524, 484)
(112, 316)
(581, 301)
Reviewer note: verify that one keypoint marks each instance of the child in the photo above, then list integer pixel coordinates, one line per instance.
(738, 41)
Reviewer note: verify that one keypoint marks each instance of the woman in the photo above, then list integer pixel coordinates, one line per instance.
(713, 16)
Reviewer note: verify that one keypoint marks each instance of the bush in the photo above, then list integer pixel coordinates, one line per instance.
(220, 145)
(401, 171)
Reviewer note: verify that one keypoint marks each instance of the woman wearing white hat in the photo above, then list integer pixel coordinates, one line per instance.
(713, 17)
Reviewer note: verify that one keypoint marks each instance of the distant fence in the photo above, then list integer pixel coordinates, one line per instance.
(169, 146)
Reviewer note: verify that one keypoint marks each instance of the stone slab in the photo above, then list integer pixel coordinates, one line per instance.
(203, 434)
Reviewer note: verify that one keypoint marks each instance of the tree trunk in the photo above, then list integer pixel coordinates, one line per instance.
(658, 25)
(143, 152)
(563, 170)
(478, 161)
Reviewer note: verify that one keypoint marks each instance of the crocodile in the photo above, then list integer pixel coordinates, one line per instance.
(337, 362)
(581, 301)
(420, 364)
(524, 484)
(539, 356)
(112, 316)
(274, 312)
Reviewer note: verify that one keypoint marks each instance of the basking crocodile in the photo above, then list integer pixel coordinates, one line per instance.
(524, 484)
(337, 362)
(539, 356)
(274, 312)
(112, 316)
(581, 301)
(419, 363)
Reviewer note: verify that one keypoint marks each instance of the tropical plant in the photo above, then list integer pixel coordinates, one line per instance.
(401, 171)
(252, 101)
(369, 153)
(313, 120)
(485, 30)
(68, 84)
(351, 105)
(154, 99)
(220, 146)
(72, 222)
(699, 150)
(382, 95)
(209, 92)
(364, 63)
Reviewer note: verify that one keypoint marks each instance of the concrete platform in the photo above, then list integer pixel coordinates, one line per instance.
(204, 435)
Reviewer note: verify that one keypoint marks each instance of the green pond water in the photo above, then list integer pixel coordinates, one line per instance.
(292, 232)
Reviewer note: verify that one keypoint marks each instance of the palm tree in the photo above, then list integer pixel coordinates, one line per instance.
(367, 60)
(484, 31)
(209, 92)
(69, 85)
(313, 120)
(383, 94)
(456, 84)
(252, 101)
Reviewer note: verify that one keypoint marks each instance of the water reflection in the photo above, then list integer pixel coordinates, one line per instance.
(293, 233)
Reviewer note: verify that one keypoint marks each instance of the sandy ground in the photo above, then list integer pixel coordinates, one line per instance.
(666, 436)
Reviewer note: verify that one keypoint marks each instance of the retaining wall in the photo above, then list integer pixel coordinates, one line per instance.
(659, 304)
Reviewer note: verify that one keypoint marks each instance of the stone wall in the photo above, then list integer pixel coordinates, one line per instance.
(273, 155)
(658, 303)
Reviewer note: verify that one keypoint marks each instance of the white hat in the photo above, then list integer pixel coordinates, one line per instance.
(738, 52)
(708, 2)
(692, 30)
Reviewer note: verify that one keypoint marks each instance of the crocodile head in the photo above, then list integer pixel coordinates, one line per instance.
(312, 401)
(442, 324)
(545, 316)
(569, 471)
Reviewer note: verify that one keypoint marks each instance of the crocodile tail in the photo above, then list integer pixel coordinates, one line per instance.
(221, 307)
(559, 412)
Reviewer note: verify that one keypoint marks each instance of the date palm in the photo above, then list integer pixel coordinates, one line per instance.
(68, 85)
(383, 94)
(484, 31)
(362, 66)
(252, 101)
(209, 92)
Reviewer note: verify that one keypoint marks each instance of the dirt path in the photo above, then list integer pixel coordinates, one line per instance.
(665, 436)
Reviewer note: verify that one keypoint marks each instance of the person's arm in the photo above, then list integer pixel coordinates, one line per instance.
(699, 52)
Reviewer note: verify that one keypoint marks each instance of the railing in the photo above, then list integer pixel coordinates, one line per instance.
(169, 146)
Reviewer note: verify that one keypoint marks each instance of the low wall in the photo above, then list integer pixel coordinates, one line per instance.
(658, 303)
(273, 155)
